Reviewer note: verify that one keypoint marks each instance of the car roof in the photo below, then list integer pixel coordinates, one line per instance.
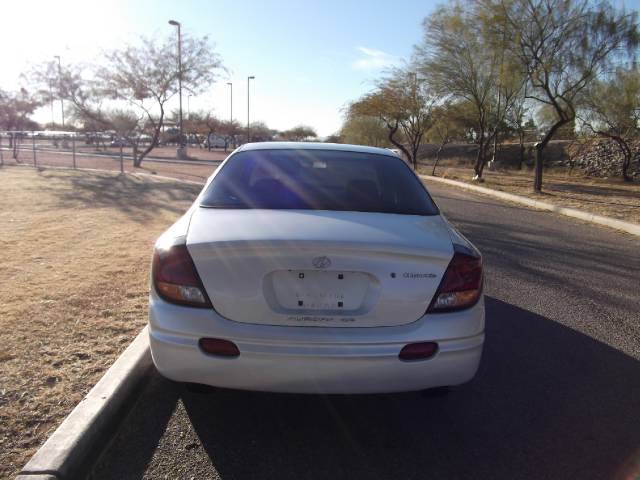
(315, 146)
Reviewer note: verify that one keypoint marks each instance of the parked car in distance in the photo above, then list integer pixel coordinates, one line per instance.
(215, 141)
(120, 142)
(316, 268)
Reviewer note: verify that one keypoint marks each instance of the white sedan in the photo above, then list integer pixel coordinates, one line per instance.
(316, 268)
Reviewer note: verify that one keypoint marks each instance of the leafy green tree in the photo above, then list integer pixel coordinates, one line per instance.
(450, 124)
(363, 130)
(464, 69)
(474, 68)
(299, 133)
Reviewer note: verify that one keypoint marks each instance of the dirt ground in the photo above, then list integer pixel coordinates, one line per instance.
(74, 268)
(609, 197)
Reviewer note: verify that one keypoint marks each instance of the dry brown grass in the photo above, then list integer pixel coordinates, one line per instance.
(608, 197)
(75, 250)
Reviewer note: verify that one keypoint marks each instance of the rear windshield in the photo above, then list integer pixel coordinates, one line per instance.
(318, 180)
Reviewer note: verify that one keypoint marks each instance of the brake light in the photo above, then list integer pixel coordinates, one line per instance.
(175, 277)
(461, 285)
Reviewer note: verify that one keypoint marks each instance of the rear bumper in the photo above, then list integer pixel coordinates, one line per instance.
(315, 359)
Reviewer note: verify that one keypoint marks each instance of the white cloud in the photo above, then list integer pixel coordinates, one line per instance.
(372, 59)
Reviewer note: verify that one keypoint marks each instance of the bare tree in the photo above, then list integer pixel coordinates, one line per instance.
(15, 109)
(611, 107)
(562, 46)
(144, 77)
(230, 130)
(404, 104)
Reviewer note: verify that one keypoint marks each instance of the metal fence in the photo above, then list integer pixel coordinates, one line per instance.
(67, 149)
(103, 152)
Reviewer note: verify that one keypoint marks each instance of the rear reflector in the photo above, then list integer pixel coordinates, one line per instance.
(418, 351)
(217, 346)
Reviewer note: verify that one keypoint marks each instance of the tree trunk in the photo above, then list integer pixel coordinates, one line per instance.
(137, 160)
(537, 181)
(435, 164)
(480, 158)
(401, 147)
(626, 156)
(540, 146)
(521, 138)
(414, 152)
(16, 146)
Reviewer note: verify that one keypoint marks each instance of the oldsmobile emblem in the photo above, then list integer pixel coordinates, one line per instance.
(321, 262)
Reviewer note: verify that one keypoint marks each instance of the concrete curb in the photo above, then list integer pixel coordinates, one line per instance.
(76, 443)
(632, 228)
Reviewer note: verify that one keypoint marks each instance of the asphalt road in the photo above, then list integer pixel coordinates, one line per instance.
(557, 394)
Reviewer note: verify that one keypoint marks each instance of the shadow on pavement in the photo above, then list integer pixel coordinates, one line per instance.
(548, 402)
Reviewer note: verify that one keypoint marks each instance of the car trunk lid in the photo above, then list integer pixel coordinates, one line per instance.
(319, 268)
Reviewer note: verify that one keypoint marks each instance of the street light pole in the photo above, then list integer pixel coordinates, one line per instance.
(59, 85)
(231, 98)
(177, 24)
(248, 124)
(53, 121)
(189, 106)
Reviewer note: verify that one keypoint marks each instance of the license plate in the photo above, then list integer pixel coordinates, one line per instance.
(314, 290)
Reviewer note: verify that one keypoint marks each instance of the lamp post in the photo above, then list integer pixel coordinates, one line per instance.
(248, 124)
(53, 121)
(59, 85)
(181, 149)
(231, 132)
(189, 106)
(231, 99)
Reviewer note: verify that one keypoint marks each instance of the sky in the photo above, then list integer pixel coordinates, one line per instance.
(309, 58)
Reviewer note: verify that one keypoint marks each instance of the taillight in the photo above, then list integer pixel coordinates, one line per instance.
(175, 277)
(461, 285)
